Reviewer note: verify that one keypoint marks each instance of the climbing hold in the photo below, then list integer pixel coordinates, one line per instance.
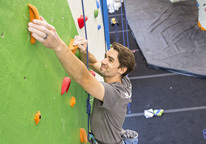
(114, 21)
(97, 4)
(99, 27)
(83, 136)
(81, 21)
(158, 112)
(72, 47)
(2, 35)
(72, 102)
(37, 117)
(86, 18)
(93, 73)
(65, 85)
(96, 13)
(34, 14)
(200, 26)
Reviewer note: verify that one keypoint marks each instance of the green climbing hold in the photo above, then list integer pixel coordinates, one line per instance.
(96, 13)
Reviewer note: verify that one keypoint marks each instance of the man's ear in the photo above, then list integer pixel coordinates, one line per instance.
(122, 70)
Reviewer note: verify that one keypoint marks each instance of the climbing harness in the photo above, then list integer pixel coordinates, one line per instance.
(92, 138)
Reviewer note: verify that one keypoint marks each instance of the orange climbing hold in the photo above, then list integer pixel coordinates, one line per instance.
(34, 14)
(202, 28)
(72, 47)
(72, 102)
(65, 85)
(83, 136)
(37, 117)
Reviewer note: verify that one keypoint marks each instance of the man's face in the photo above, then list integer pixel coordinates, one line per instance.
(110, 64)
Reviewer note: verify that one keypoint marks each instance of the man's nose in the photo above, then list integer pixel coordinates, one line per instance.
(104, 61)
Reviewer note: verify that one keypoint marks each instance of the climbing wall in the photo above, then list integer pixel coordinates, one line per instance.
(31, 77)
(95, 36)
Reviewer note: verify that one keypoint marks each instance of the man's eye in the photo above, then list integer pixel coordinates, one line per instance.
(110, 60)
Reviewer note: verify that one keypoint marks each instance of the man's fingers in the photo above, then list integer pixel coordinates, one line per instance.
(82, 48)
(83, 42)
(41, 18)
(80, 41)
(38, 37)
(37, 32)
(43, 23)
(77, 39)
(40, 28)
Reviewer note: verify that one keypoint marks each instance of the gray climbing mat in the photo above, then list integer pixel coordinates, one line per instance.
(168, 35)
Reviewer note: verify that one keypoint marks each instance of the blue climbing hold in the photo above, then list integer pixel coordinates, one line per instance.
(97, 4)
(99, 27)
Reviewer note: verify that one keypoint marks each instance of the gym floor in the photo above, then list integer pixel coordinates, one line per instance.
(183, 99)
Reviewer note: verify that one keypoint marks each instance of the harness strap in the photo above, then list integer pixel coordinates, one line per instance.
(92, 137)
(99, 142)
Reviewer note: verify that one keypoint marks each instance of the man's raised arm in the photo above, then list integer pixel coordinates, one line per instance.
(82, 46)
(72, 65)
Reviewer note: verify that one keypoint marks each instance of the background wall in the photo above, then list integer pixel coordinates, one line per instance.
(96, 38)
(31, 75)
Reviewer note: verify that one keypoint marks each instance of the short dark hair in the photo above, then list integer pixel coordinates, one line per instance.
(125, 56)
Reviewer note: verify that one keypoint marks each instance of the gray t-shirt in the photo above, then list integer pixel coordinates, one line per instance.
(107, 117)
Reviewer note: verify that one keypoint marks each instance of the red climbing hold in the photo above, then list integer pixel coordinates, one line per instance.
(65, 85)
(81, 21)
(93, 73)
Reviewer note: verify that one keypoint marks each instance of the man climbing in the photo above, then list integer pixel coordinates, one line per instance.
(111, 96)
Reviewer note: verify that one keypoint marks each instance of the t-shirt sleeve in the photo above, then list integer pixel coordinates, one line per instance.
(111, 96)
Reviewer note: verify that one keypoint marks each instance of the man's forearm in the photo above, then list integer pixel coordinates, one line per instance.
(78, 72)
(93, 63)
(72, 65)
(83, 56)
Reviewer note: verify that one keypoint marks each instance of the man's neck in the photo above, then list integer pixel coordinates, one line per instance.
(112, 79)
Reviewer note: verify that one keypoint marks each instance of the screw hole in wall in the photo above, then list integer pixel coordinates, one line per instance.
(2, 35)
